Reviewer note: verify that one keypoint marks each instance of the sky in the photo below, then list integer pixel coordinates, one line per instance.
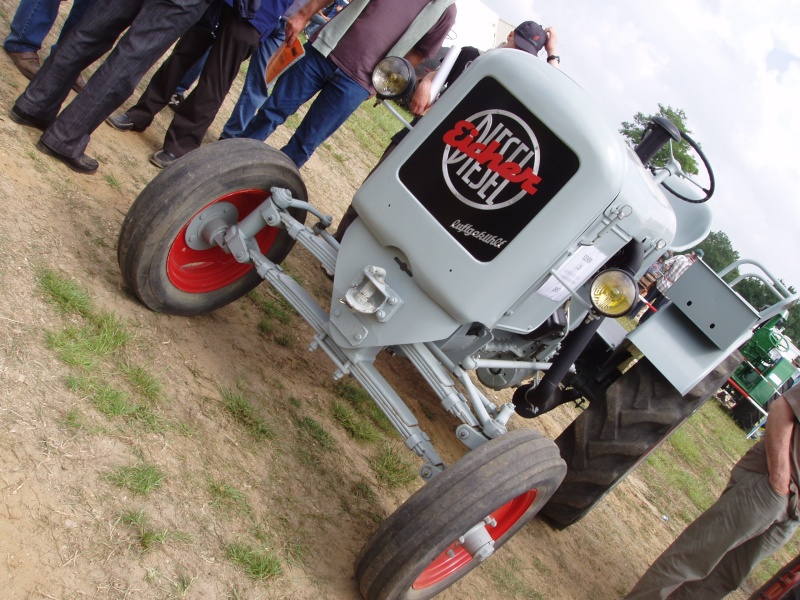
(732, 66)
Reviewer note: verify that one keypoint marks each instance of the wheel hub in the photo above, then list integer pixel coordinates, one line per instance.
(210, 223)
(477, 540)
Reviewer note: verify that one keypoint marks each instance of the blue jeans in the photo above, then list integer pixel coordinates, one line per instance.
(339, 96)
(192, 75)
(34, 19)
(254, 92)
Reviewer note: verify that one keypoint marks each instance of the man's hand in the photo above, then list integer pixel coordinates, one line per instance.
(551, 45)
(297, 22)
(422, 95)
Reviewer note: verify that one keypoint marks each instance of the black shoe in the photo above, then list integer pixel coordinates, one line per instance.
(122, 123)
(81, 164)
(162, 159)
(22, 118)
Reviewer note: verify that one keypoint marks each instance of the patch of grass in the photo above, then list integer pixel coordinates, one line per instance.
(146, 536)
(265, 326)
(508, 580)
(226, 496)
(67, 296)
(315, 432)
(83, 347)
(358, 428)
(363, 403)
(112, 182)
(258, 564)
(374, 126)
(393, 468)
(74, 419)
(108, 400)
(284, 340)
(141, 479)
(116, 403)
(182, 583)
(141, 380)
(243, 413)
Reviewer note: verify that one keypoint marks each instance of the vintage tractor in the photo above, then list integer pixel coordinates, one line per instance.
(494, 243)
(764, 374)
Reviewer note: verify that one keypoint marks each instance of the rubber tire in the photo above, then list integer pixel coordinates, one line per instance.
(637, 413)
(175, 195)
(745, 414)
(423, 527)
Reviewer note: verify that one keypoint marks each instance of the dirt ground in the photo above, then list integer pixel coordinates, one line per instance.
(63, 530)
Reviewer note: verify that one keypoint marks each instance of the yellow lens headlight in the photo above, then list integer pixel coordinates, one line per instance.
(393, 77)
(613, 293)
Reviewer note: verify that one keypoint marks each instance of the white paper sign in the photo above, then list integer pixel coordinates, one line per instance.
(574, 273)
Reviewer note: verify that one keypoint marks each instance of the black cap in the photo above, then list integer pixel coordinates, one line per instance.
(530, 36)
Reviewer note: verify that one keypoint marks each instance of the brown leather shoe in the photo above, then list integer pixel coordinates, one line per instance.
(27, 62)
(80, 82)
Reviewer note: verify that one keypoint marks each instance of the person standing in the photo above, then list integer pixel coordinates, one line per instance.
(671, 270)
(31, 23)
(339, 62)
(145, 28)
(754, 517)
(235, 41)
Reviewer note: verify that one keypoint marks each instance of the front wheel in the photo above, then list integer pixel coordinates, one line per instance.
(159, 262)
(453, 523)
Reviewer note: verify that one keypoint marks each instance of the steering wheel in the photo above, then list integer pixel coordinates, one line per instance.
(779, 341)
(674, 168)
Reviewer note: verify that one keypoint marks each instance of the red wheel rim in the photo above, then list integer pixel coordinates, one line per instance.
(203, 271)
(455, 557)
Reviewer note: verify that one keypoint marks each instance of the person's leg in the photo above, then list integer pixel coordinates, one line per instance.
(254, 92)
(30, 25)
(339, 98)
(737, 564)
(79, 8)
(746, 509)
(154, 27)
(295, 87)
(236, 40)
(189, 49)
(193, 74)
(81, 46)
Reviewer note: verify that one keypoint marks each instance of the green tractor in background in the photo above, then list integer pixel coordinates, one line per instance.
(767, 371)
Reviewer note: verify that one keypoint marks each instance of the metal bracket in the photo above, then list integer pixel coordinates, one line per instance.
(371, 295)
(470, 437)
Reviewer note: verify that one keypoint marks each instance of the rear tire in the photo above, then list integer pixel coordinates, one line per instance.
(155, 260)
(637, 413)
(414, 554)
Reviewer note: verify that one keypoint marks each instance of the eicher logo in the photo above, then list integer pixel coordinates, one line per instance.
(491, 160)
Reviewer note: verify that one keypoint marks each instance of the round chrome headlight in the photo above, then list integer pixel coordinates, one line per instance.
(613, 293)
(393, 78)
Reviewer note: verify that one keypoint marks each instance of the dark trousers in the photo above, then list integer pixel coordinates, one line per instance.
(234, 43)
(153, 26)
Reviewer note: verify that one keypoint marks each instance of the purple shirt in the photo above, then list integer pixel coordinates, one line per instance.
(377, 29)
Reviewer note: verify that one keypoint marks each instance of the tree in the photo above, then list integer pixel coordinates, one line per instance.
(633, 132)
(718, 253)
